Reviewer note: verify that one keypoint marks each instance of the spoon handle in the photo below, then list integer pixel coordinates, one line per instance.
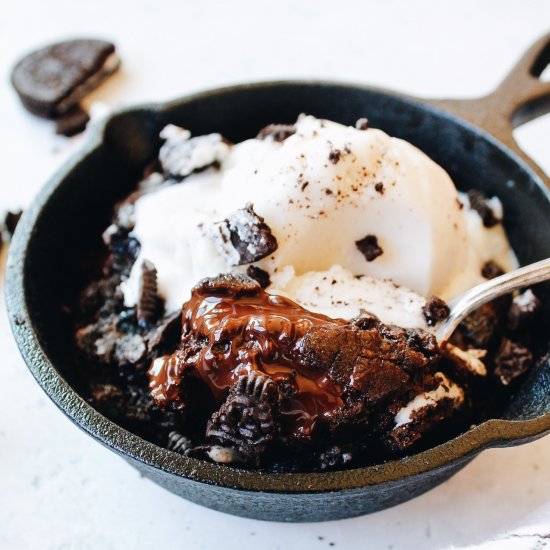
(485, 292)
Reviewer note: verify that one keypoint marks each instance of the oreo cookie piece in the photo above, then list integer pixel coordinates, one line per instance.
(482, 325)
(523, 311)
(72, 122)
(52, 80)
(149, 303)
(362, 124)
(248, 420)
(259, 275)
(243, 237)
(181, 154)
(178, 443)
(511, 361)
(482, 205)
(277, 132)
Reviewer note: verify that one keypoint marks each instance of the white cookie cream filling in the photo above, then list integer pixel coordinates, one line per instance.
(447, 389)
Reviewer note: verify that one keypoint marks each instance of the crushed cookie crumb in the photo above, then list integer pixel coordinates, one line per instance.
(335, 155)
(435, 310)
(369, 247)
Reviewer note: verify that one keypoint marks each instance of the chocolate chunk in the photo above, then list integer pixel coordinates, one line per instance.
(258, 274)
(51, 80)
(149, 302)
(369, 247)
(478, 202)
(277, 132)
(491, 269)
(511, 361)
(73, 122)
(524, 310)
(178, 443)
(248, 418)
(334, 156)
(182, 155)
(243, 237)
(481, 326)
(362, 124)
(435, 310)
(379, 187)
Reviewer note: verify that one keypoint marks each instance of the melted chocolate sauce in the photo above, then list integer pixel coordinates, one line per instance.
(228, 333)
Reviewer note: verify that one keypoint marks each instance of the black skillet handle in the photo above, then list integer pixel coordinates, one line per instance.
(521, 97)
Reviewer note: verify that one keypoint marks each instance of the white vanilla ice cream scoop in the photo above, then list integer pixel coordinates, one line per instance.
(362, 221)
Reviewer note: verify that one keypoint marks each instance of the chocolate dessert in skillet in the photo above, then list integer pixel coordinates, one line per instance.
(270, 304)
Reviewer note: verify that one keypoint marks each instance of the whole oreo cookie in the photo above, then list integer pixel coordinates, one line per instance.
(52, 80)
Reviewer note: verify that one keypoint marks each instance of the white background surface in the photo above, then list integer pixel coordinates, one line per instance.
(61, 490)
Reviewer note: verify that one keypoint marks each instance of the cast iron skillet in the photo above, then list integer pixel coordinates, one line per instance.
(471, 139)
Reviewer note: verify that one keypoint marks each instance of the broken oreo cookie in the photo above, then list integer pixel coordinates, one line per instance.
(480, 203)
(525, 307)
(362, 124)
(72, 122)
(243, 237)
(276, 132)
(148, 306)
(511, 361)
(182, 155)
(248, 420)
(52, 80)
(259, 275)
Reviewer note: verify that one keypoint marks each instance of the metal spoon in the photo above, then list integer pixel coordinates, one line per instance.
(485, 292)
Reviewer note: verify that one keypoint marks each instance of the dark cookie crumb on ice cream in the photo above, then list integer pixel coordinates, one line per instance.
(277, 132)
(259, 275)
(435, 310)
(243, 237)
(491, 269)
(478, 201)
(369, 247)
